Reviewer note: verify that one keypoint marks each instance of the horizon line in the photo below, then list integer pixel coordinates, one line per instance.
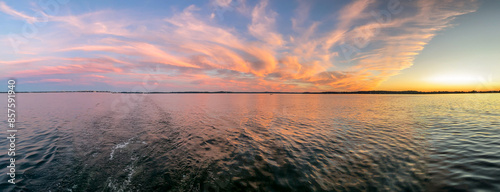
(266, 92)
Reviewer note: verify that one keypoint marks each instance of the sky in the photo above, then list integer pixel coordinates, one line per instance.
(250, 45)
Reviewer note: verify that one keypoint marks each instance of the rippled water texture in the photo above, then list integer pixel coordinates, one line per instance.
(255, 142)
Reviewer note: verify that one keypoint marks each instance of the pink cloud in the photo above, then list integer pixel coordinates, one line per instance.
(16, 14)
(55, 80)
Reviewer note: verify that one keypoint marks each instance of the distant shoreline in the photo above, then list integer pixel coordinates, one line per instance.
(237, 92)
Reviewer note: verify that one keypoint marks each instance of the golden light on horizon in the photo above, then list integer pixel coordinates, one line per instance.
(454, 79)
(450, 81)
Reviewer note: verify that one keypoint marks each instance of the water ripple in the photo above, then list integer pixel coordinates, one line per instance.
(258, 142)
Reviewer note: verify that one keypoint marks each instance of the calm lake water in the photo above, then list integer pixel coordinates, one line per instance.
(254, 142)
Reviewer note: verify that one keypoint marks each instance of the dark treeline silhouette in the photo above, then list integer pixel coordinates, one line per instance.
(267, 92)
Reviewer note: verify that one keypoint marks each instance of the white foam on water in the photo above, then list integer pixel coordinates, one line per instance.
(130, 174)
(116, 185)
(118, 146)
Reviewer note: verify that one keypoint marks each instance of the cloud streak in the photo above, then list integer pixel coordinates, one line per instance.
(16, 14)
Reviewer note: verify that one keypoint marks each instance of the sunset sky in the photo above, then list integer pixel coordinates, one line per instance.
(224, 45)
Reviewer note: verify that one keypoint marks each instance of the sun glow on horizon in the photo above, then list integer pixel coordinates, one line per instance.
(454, 79)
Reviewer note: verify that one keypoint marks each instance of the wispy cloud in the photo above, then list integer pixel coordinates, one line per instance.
(16, 14)
(263, 25)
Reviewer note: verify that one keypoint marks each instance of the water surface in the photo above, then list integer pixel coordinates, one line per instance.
(255, 142)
